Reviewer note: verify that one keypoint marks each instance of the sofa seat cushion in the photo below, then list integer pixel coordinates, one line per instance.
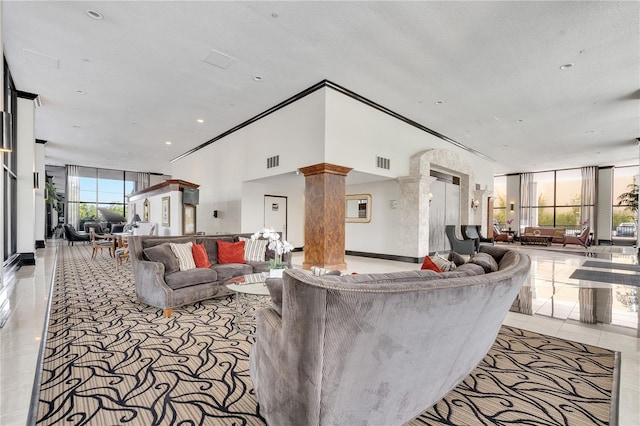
(229, 270)
(182, 279)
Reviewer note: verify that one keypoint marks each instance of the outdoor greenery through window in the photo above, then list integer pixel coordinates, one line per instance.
(625, 208)
(100, 196)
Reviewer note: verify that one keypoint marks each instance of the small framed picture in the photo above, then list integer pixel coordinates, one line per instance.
(188, 219)
(166, 211)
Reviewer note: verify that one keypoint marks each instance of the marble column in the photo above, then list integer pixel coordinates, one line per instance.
(413, 208)
(324, 215)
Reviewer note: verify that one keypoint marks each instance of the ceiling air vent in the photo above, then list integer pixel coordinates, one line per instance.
(383, 163)
(273, 161)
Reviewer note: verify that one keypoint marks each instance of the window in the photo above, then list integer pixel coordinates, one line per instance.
(500, 201)
(625, 218)
(100, 195)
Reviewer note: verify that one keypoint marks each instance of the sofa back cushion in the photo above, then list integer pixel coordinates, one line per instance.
(485, 260)
(162, 253)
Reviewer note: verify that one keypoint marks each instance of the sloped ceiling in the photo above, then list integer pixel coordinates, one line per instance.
(486, 74)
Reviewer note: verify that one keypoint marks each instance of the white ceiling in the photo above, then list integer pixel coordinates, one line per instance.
(144, 82)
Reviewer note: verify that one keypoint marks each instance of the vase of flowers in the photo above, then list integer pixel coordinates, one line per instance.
(279, 247)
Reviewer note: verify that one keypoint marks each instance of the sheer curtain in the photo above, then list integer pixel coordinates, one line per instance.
(143, 180)
(588, 195)
(73, 196)
(527, 197)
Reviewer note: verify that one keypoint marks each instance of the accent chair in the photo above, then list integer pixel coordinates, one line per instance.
(99, 242)
(72, 235)
(505, 237)
(581, 239)
(472, 232)
(458, 245)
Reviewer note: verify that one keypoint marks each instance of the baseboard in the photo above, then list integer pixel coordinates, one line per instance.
(407, 259)
(40, 244)
(27, 259)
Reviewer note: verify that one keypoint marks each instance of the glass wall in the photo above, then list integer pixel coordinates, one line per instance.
(100, 196)
(556, 201)
(625, 220)
(500, 201)
(9, 170)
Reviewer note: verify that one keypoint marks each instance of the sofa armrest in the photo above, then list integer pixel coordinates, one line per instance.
(151, 288)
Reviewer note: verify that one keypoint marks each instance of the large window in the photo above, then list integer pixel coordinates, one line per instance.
(9, 170)
(500, 201)
(99, 195)
(556, 200)
(625, 218)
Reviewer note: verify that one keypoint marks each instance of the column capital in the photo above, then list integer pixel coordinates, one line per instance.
(325, 168)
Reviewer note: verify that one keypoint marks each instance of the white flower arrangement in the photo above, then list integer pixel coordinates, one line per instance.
(278, 246)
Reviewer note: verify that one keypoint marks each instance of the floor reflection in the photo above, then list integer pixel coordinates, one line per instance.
(550, 291)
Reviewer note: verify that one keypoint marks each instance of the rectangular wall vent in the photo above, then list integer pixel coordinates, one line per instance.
(273, 161)
(383, 163)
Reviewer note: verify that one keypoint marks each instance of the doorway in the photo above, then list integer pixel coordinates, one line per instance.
(444, 209)
(275, 213)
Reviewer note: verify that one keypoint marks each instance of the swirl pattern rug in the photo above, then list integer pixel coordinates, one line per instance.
(109, 360)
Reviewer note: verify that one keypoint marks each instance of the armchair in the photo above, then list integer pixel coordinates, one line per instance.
(581, 239)
(458, 245)
(472, 232)
(505, 237)
(72, 235)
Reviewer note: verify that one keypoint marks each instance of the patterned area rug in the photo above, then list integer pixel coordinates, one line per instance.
(109, 360)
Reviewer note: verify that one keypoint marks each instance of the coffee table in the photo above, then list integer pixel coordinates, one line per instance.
(251, 293)
(536, 239)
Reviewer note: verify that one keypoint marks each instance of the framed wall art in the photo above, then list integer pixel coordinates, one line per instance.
(188, 219)
(166, 211)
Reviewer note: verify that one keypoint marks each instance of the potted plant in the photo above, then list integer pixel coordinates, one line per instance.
(279, 247)
(51, 195)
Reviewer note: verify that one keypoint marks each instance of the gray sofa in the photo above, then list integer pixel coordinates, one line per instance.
(160, 283)
(377, 349)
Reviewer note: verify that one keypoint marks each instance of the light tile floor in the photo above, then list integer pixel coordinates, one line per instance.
(555, 305)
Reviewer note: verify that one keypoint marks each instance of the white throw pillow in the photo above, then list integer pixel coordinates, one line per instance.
(443, 263)
(254, 250)
(184, 254)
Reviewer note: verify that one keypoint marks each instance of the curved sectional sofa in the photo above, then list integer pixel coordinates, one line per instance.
(377, 349)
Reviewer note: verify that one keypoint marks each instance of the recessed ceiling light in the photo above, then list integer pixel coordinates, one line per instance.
(274, 15)
(591, 131)
(257, 78)
(94, 14)
(80, 92)
(200, 120)
(519, 121)
(438, 102)
(566, 66)
(76, 127)
(167, 143)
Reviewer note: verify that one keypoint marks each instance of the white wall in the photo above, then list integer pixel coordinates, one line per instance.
(253, 207)
(155, 212)
(295, 133)
(325, 126)
(381, 234)
(513, 195)
(25, 193)
(357, 133)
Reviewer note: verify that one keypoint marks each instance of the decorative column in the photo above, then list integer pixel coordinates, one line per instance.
(324, 215)
(413, 208)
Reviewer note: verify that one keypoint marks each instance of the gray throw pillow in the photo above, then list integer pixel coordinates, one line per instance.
(457, 258)
(162, 253)
(485, 260)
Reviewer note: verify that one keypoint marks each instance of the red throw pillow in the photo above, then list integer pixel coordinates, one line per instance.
(428, 264)
(200, 256)
(230, 252)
